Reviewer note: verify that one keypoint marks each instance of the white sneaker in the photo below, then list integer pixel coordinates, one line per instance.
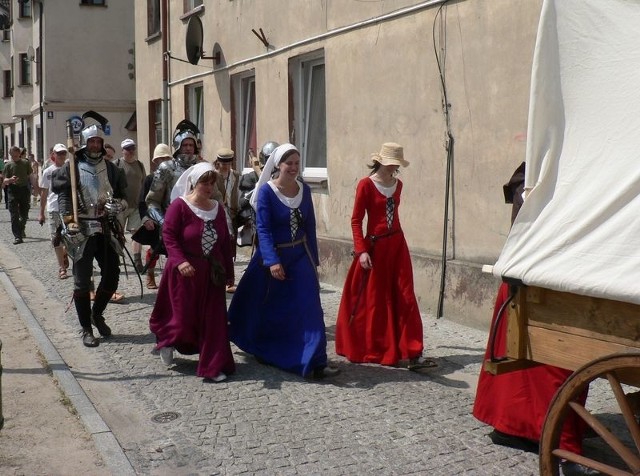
(166, 354)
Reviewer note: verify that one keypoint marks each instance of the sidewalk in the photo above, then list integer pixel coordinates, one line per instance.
(42, 431)
(370, 419)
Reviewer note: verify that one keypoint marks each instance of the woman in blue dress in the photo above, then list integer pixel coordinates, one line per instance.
(275, 313)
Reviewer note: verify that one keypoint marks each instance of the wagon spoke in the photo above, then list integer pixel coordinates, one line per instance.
(626, 410)
(612, 440)
(590, 463)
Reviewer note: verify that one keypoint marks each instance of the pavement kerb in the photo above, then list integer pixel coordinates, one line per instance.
(105, 441)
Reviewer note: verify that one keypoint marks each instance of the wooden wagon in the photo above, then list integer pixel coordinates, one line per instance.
(573, 252)
(595, 337)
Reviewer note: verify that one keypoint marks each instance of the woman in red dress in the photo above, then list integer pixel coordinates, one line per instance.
(515, 403)
(379, 320)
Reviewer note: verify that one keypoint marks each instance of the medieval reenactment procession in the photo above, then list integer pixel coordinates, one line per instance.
(320, 237)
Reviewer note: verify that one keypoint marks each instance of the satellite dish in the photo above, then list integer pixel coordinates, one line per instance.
(194, 39)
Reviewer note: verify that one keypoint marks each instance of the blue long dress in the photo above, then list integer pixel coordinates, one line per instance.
(281, 322)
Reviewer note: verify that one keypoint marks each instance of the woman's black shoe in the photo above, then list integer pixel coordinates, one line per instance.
(517, 442)
(324, 372)
(569, 468)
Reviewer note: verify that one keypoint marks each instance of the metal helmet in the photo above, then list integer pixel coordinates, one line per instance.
(185, 130)
(90, 132)
(266, 151)
(180, 137)
(95, 129)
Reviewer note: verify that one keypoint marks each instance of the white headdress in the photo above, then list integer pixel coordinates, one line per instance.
(272, 163)
(189, 178)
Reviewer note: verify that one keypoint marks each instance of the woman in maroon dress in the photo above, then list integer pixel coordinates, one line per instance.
(190, 313)
(379, 320)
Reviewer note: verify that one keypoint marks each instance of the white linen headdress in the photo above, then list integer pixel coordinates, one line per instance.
(272, 163)
(189, 178)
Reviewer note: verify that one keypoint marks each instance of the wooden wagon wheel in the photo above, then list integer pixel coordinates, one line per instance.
(608, 367)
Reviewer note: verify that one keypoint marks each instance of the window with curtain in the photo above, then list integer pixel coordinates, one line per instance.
(195, 106)
(310, 119)
(244, 119)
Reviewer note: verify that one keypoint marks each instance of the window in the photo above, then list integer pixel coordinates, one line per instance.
(244, 119)
(309, 128)
(25, 69)
(191, 5)
(195, 106)
(92, 2)
(6, 35)
(24, 9)
(155, 123)
(38, 61)
(7, 84)
(153, 17)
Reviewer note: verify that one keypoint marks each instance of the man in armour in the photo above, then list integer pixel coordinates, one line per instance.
(100, 190)
(168, 172)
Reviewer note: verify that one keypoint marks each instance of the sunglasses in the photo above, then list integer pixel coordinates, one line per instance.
(130, 148)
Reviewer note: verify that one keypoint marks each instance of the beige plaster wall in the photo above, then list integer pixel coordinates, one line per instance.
(383, 84)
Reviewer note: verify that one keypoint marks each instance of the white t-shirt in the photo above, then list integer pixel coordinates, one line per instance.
(45, 182)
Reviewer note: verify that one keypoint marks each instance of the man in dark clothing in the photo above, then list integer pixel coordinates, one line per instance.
(101, 189)
(16, 173)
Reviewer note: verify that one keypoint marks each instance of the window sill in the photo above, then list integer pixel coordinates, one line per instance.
(316, 183)
(153, 37)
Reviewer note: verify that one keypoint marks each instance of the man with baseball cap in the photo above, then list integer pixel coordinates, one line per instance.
(48, 199)
(135, 174)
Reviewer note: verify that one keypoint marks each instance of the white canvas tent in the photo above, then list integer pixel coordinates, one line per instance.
(579, 228)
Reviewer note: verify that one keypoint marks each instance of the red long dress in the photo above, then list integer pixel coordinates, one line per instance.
(516, 402)
(379, 320)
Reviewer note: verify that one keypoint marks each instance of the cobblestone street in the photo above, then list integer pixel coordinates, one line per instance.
(368, 420)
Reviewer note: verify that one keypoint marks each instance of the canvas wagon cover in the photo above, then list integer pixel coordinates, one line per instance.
(579, 228)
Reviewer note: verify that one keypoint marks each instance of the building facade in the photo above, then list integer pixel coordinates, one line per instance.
(447, 80)
(60, 59)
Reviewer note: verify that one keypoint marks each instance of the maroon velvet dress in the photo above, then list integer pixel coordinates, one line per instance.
(379, 319)
(516, 402)
(190, 313)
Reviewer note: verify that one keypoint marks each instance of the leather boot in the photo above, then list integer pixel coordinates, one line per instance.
(101, 325)
(88, 338)
(151, 280)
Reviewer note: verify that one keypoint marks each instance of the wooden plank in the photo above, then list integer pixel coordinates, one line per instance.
(616, 319)
(569, 351)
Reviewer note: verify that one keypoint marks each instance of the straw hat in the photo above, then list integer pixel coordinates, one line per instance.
(390, 154)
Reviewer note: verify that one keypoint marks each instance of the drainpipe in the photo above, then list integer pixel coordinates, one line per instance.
(165, 72)
(40, 82)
